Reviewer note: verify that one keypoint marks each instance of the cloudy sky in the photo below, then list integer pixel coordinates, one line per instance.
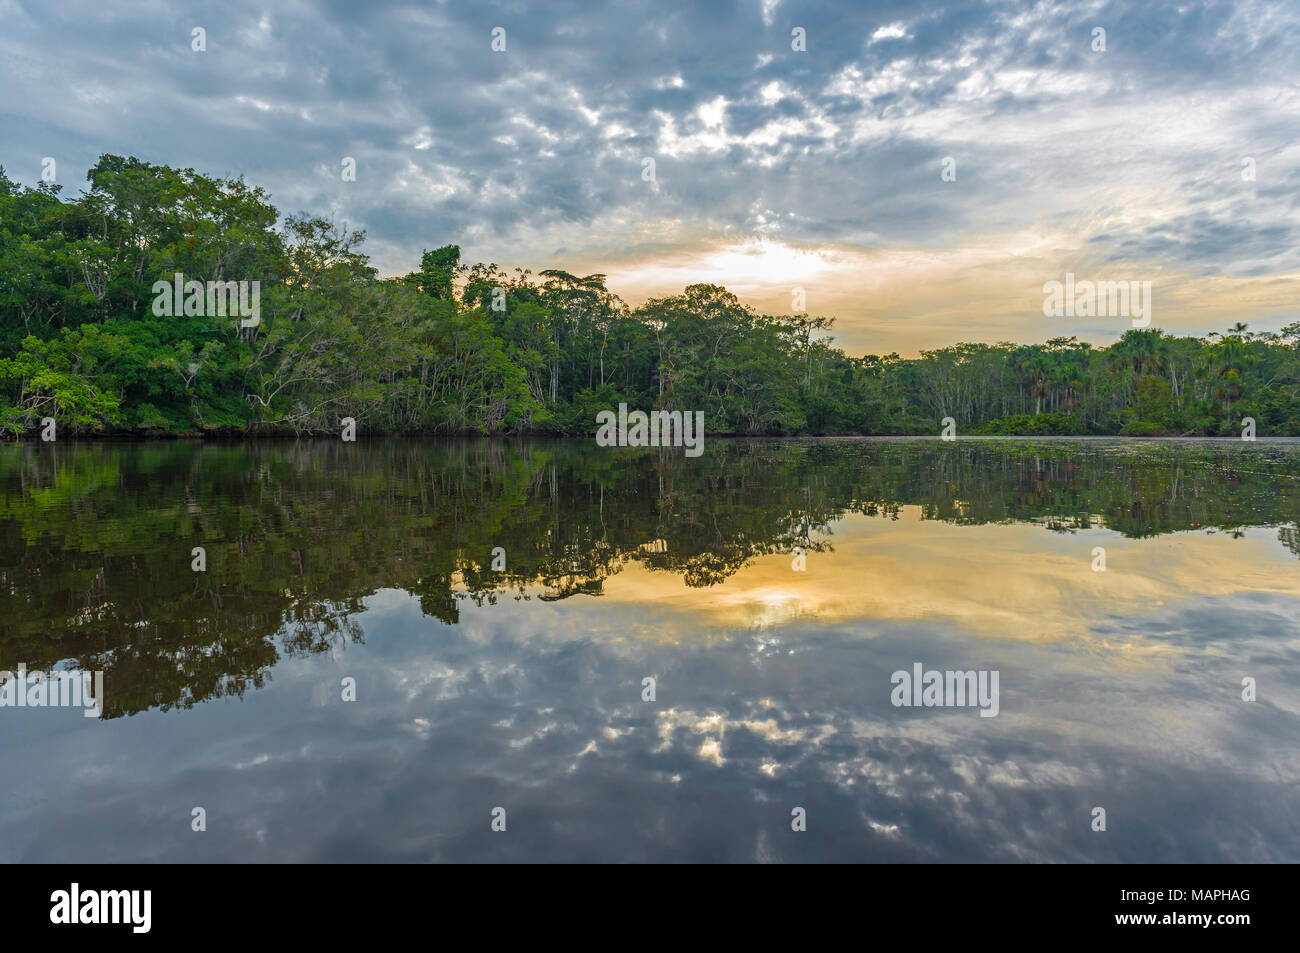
(774, 168)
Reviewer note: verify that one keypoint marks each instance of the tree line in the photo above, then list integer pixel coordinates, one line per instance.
(469, 348)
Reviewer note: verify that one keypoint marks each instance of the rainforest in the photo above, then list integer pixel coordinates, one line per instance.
(460, 348)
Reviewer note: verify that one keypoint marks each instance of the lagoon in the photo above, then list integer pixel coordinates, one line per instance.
(517, 682)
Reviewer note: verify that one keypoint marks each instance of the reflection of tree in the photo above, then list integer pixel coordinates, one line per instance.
(1290, 537)
(95, 541)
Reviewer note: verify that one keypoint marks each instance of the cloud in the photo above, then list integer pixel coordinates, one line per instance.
(1131, 156)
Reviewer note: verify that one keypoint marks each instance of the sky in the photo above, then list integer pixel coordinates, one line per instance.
(821, 172)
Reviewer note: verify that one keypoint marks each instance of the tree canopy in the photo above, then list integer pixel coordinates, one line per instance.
(456, 348)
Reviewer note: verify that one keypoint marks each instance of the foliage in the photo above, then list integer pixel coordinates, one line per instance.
(456, 348)
(1057, 424)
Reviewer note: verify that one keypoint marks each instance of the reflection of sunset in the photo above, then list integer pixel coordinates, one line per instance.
(1016, 581)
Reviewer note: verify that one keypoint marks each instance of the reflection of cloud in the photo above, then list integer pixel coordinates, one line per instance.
(548, 722)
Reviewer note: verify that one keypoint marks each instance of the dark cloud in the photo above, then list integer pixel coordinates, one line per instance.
(513, 153)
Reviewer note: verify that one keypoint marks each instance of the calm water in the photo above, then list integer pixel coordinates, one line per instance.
(522, 688)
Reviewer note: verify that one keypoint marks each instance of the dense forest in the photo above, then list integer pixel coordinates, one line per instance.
(459, 348)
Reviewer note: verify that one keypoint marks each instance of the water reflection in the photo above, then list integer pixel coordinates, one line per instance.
(479, 688)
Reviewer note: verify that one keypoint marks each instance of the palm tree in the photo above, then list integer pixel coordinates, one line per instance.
(1142, 349)
(1233, 358)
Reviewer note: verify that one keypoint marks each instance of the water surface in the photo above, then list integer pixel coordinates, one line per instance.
(522, 688)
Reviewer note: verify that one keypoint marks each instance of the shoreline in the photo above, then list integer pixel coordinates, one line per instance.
(548, 435)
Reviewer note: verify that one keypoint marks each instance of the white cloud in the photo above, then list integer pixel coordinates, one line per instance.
(893, 31)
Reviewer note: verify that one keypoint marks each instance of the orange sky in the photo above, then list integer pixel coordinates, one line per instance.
(909, 299)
